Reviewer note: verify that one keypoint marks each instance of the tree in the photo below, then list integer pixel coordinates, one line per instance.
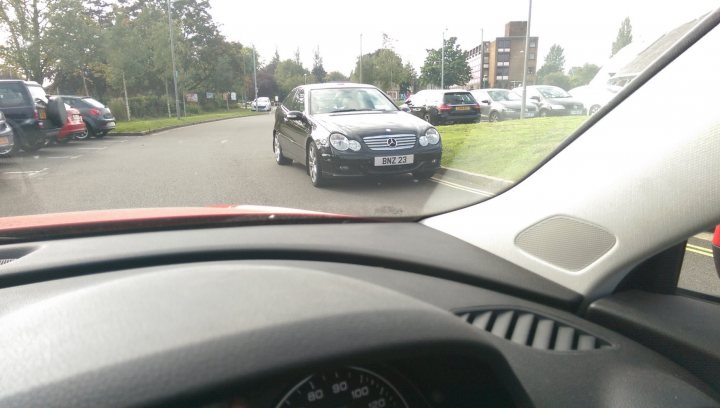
(318, 70)
(554, 62)
(272, 65)
(624, 36)
(557, 79)
(582, 75)
(288, 75)
(335, 76)
(457, 70)
(383, 68)
(27, 49)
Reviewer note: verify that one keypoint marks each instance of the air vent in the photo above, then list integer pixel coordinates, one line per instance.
(6, 261)
(533, 330)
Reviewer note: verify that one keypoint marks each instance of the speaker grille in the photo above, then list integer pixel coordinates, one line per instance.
(566, 242)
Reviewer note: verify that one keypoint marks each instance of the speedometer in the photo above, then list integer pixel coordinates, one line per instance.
(344, 387)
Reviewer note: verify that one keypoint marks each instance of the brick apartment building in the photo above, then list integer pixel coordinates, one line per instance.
(499, 63)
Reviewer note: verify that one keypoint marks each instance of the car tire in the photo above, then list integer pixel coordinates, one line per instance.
(313, 166)
(423, 174)
(85, 134)
(493, 117)
(28, 143)
(277, 149)
(100, 135)
(593, 110)
(543, 113)
(429, 119)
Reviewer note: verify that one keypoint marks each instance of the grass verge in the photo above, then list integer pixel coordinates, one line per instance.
(136, 126)
(508, 150)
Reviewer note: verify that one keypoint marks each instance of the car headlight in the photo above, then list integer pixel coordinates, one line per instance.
(432, 135)
(423, 140)
(342, 143)
(557, 107)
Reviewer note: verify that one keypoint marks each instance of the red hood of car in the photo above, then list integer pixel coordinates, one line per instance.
(151, 216)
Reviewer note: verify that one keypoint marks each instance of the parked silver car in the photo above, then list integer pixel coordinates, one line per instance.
(7, 138)
(500, 104)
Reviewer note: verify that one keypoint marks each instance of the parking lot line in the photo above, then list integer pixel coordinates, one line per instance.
(64, 157)
(92, 148)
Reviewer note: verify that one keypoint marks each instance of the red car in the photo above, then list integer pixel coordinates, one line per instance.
(72, 127)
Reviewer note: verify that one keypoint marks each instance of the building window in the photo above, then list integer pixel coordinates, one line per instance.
(533, 44)
(531, 56)
(531, 70)
(486, 66)
(503, 43)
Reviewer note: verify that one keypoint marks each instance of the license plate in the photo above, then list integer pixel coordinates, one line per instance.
(4, 140)
(463, 108)
(111, 124)
(394, 160)
(576, 112)
(43, 115)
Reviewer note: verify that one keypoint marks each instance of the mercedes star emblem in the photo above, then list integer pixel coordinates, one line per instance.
(391, 142)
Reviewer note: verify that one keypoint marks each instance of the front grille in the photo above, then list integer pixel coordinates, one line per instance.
(390, 142)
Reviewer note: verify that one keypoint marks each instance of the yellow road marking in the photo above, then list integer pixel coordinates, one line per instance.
(462, 188)
(699, 248)
(699, 252)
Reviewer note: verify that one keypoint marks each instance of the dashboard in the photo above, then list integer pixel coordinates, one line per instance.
(302, 316)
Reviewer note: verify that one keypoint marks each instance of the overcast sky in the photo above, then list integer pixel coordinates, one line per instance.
(585, 29)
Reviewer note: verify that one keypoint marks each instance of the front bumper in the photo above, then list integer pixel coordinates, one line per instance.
(7, 139)
(358, 164)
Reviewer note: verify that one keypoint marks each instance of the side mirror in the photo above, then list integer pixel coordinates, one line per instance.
(535, 98)
(485, 101)
(294, 115)
(716, 249)
(405, 108)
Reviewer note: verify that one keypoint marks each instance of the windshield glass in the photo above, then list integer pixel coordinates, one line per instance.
(225, 103)
(458, 98)
(37, 92)
(92, 102)
(553, 92)
(357, 99)
(504, 95)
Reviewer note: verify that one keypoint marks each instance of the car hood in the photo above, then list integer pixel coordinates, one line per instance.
(566, 102)
(361, 124)
(77, 223)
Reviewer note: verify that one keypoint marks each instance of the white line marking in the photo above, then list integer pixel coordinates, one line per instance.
(25, 172)
(92, 148)
(113, 141)
(463, 188)
(63, 157)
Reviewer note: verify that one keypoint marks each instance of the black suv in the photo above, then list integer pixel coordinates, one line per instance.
(444, 106)
(33, 116)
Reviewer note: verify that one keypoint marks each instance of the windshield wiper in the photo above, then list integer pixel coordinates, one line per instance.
(350, 110)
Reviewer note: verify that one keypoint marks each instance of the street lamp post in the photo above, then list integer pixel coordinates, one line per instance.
(442, 62)
(525, 63)
(172, 56)
(361, 58)
(255, 77)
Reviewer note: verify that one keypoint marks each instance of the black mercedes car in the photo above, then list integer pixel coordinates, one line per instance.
(352, 130)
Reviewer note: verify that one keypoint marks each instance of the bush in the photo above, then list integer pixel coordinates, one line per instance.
(150, 106)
